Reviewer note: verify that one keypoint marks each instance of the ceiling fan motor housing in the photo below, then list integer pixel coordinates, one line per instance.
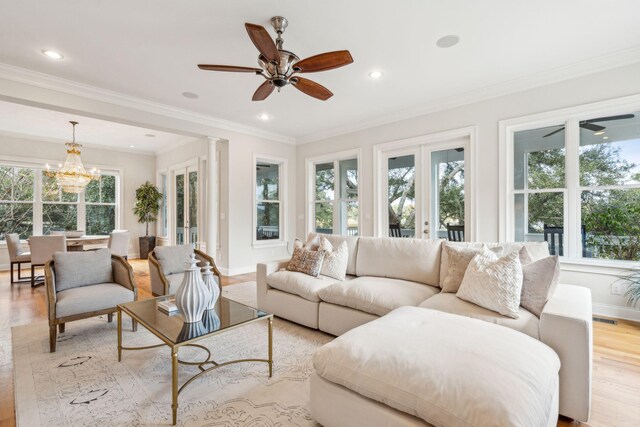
(279, 74)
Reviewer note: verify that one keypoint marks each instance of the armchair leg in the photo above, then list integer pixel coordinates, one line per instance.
(61, 328)
(52, 338)
(110, 317)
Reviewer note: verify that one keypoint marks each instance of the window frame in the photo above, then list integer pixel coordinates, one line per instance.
(283, 197)
(310, 187)
(571, 117)
(38, 166)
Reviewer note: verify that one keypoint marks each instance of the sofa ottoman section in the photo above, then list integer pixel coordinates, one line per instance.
(442, 368)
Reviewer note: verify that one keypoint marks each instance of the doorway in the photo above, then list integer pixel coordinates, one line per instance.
(185, 206)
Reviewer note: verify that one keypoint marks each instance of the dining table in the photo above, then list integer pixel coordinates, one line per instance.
(78, 243)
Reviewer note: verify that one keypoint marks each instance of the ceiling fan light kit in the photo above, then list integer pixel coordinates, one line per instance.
(280, 67)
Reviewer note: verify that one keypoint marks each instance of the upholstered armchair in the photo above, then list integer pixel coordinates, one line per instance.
(167, 264)
(86, 284)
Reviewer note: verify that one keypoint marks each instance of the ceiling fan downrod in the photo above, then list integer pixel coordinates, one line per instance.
(279, 24)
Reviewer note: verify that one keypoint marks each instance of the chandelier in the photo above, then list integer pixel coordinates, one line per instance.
(72, 176)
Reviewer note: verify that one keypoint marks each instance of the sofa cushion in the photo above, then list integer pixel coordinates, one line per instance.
(526, 322)
(376, 295)
(416, 260)
(336, 240)
(173, 259)
(91, 298)
(493, 283)
(448, 370)
(537, 250)
(299, 284)
(335, 259)
(306, 261)
(540, 280)
(74, 269)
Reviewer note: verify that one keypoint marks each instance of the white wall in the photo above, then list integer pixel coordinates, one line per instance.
(236, 254)
(485, 115)
(136, 169)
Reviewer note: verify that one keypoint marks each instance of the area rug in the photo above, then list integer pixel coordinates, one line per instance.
(83, 384)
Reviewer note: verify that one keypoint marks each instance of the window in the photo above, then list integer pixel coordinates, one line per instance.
(100, 200)
(16, 201)
(32, 203)
(268, 200)
(335, 199)
(577, 185)
(401, 193)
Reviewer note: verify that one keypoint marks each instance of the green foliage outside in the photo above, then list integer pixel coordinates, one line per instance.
(611, 217)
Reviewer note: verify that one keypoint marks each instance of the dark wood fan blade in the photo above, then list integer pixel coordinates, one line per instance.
(606, 119)
(554, 132)
(324, 61)
(263, 42)
(231, 68)
(311, 88)
(591, 127)
(263, 91)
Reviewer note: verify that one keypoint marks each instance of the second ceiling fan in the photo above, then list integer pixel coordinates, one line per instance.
(280, 67)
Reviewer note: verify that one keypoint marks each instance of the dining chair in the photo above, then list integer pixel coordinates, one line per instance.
(17, 256)
(119, 243)
(42, 250)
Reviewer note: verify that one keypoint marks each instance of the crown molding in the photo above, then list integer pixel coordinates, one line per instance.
(39, 138)
(568, 72)
(46, 81)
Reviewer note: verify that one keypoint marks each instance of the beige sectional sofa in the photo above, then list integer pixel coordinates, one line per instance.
(384, 274)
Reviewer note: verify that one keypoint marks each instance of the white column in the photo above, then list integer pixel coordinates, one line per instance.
(212, 197)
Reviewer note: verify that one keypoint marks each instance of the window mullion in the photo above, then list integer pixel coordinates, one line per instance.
(37, 203)
(572, 183)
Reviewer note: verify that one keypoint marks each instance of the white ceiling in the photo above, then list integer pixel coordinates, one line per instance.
(149, 49)
(54, 126)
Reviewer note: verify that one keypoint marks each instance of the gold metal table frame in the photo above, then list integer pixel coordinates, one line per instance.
(130, 309)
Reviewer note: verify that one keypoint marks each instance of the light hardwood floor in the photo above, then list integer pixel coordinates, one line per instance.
(616, 368)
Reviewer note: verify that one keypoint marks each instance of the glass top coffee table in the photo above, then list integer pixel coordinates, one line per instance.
(175, 333)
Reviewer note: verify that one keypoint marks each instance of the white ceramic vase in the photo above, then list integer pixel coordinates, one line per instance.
(211, 284)
(192, 297)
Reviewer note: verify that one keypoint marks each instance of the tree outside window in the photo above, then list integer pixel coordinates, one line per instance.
(336, 208)
(267, 201)
(16, 201)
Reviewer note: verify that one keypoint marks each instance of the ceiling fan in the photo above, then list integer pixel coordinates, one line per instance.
(280, 67)
(589, 124)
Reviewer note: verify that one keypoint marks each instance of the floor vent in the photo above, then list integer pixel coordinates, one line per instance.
(603, 320)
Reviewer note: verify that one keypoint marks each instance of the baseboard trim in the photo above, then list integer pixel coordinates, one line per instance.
(616, 311)
(238, 270)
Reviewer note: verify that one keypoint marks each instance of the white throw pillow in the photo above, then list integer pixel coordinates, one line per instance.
(335, 259)
(540, 280)
(459, 259)
(493, 283)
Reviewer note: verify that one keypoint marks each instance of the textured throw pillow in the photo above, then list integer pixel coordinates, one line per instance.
(493, 283)
(307, 262)
(540, 280)
(75, 269)
(172, 259)
(335, 259)
(459, 259)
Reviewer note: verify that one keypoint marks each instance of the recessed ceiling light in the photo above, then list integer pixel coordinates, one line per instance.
(599, 133)
(264, 117)
(605, 137)
(149, 135)
(375, 74)
(190, 95)
(52, 54)
(132, 146)
(448, 41)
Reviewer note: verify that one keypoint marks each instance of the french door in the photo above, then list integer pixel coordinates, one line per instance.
(185, 208)
(423, 189)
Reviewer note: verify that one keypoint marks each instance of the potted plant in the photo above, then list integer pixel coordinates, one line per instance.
(146, 208)
(633, 289)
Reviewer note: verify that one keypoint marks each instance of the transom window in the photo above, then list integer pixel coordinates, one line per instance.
(31, 203)
(577, 185)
